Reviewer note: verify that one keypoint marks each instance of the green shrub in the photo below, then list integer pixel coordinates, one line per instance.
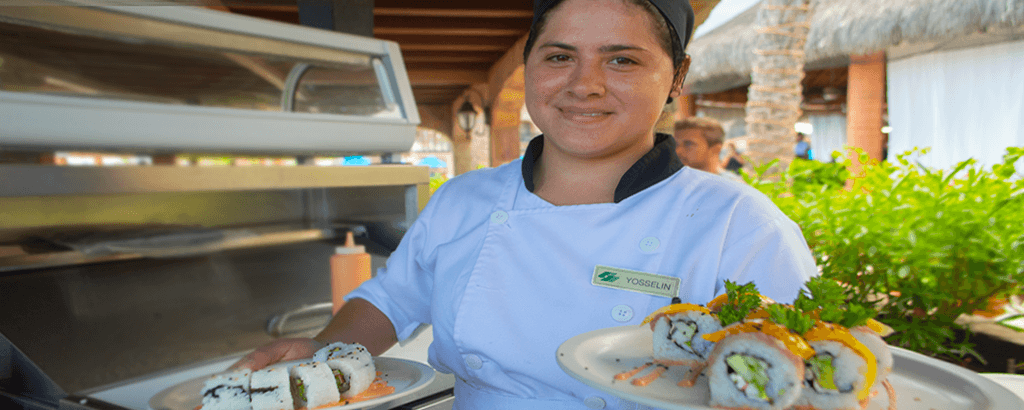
(923, 246)
(436, 179)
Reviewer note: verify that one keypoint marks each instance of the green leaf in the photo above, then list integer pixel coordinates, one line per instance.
(741, 300)
(790, 318)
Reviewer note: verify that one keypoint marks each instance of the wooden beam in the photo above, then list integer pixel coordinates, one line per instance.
(446, 77)
(395, 11)
(440, 31)
(448, 59)
(452, 47)
(406, 40)
(465, 13)
(434, 65)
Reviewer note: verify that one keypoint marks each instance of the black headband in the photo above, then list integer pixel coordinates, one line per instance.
(678, 13)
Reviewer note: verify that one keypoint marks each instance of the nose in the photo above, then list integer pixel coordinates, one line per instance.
(588, 80)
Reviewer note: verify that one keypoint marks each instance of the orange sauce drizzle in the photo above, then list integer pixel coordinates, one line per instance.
(630, 373)
(649, 377)
(691, 378)
(378, 388)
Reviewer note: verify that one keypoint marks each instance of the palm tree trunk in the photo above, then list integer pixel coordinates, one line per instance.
(775, 94)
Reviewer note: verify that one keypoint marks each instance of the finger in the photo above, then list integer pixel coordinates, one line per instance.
(259, 358)
(244, 363)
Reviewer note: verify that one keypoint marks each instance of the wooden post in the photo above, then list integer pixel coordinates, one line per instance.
(865, 106)
(165, 159)
(505, 119)
(686, 105)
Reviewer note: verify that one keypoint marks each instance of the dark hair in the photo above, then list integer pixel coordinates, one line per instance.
(667, 36)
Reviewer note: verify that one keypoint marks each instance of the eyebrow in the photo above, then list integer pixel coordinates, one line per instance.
(613, 48)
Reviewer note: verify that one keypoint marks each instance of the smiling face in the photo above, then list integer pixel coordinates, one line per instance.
(597, 80)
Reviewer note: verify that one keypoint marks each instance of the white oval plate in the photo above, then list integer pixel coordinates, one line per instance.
(1014, 382)
(406, 376)
(920, 382)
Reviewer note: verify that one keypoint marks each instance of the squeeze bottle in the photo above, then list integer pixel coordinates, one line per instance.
(350, 266)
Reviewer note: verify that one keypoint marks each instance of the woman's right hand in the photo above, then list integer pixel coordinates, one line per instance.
(281, 350)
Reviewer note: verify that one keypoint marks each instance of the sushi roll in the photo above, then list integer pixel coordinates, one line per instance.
(351, 365)
(678, 335)
(841, 373)
(336, 350)
(874, 342)
(313, 385)
(756, 366)
(227, 391)
(833, 377)
(270, 389)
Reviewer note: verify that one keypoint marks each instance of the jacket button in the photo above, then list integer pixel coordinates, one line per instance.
(594, 402)
(499, 217)
(622, 313)
(474, 362)
(649, 244)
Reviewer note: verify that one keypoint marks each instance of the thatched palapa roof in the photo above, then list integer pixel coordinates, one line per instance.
(723, 58)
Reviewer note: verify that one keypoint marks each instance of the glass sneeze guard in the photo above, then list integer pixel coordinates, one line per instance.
(310, 98)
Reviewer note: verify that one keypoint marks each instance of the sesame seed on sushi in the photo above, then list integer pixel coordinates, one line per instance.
(351, 365)
(313, 385)
(227, 391)
(270, 389)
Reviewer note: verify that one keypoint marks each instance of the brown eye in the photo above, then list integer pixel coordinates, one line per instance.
(559, 58)
(622, 61)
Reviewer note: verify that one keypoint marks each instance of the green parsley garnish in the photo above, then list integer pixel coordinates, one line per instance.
(742, 299)
(828, 298)
(790, 318)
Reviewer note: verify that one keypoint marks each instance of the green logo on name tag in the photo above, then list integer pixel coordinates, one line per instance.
(635, 281)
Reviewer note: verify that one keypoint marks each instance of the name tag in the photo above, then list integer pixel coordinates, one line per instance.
(635, 281)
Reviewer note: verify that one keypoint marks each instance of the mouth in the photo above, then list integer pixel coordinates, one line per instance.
(583, 114)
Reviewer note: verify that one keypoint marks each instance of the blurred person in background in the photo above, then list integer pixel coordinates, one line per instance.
(733, 162)
(699, 143)
(803, 148)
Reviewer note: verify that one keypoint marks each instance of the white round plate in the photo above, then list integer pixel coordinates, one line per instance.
(920, 382)
(406, 376)
(1014, 382)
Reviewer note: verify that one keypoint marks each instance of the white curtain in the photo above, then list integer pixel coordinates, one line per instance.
(963, 104)
(829, 135)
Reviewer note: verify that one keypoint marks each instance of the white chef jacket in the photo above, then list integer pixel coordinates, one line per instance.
(500, 340)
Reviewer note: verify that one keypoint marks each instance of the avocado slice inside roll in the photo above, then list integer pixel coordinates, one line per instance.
(751, 372)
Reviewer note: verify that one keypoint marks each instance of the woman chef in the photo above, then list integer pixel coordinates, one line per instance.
(597, 226)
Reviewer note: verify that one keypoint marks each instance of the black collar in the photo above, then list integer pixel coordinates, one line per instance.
(656, 165)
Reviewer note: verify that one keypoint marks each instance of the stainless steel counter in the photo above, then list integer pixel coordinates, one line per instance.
(92, 325)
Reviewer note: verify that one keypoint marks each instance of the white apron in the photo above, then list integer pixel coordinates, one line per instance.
(530, 290)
